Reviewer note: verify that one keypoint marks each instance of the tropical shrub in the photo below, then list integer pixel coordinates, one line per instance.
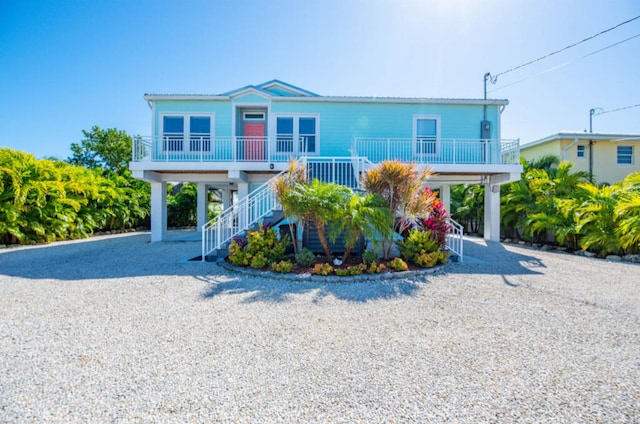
(398, 264)
(628, 212)
(363, 215)
(351, 270)
(237, 255)
(319, 202)
(436, 223)
(417, 243)
(262, 248)
(322, 269)
(375, 268)
(305, 258)
(343, 272)
(44, 200)
(259, 261)
(282, 267)
(370, 256)
(264, 241)
(400, 186)
(467, 206)
(428, 260)
(552, 200)
(182, 208)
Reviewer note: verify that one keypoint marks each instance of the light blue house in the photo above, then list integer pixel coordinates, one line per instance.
(235, 142)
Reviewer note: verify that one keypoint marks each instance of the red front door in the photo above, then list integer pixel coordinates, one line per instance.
(254, 141)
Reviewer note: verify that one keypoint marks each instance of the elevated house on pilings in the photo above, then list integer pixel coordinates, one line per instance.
(236, 142)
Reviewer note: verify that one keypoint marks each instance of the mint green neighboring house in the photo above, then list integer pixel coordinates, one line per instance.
(235, 142)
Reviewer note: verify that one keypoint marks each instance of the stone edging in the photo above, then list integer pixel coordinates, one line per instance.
(330, 278)
(630, 258)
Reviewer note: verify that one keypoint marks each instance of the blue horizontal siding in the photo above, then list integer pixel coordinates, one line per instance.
(222, 110)
(341, 122)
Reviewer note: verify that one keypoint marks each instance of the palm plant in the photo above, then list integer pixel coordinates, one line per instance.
(364, 215)
(318, 202)
(467, 206)
(597, 219)
(628, 213)
(282, 187)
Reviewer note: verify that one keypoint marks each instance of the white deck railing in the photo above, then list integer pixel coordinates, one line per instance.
(283, 149)
(438, 151)
(345, 170)
(217, 149)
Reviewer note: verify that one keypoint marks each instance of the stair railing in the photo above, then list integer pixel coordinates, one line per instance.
(239, 217)
(455, 240)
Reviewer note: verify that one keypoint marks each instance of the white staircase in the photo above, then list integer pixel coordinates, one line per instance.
(243, 214)
(262, 202)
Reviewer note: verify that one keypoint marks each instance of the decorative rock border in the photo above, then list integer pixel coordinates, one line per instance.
(631, 258)
(330, 278)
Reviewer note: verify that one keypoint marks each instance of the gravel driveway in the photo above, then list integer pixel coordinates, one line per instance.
(116, 329)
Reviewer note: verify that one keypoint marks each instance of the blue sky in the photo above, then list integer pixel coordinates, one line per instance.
(68, 65)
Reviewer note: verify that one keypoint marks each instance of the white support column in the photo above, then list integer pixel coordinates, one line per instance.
(445, 197)
(158, 211)
(243, 191)
(203, 203)
(492, 212)
(226, 198)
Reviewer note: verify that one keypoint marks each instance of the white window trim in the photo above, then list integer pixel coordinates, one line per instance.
(618, 156)
(584, 151)
(415, 135)
(296, 129)
(186, 144)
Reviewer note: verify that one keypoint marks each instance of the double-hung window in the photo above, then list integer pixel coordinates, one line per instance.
(581, 151)
(186, 132)
(307, 134)
(199, 133)
(297, 134)
(284, 134)
(625, 155)
(426, 135)
(173, 133)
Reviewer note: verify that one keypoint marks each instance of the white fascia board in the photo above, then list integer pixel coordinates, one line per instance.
(287, 87)
(184, 97)
(482, 169)
(398, 100)
(578, 135)
(160, 166)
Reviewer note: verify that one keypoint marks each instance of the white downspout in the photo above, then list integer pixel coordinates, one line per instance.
(564, 151)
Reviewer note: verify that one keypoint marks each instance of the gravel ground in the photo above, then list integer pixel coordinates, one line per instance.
(116, 329)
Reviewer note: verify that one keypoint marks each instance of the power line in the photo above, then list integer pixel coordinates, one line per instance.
(562, 65)
(495, 77)
(616, 110)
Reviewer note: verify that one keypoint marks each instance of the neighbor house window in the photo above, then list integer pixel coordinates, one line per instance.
(182, 132)
(581, 153)
(625, 155)
(301, 128)
(425, 129)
